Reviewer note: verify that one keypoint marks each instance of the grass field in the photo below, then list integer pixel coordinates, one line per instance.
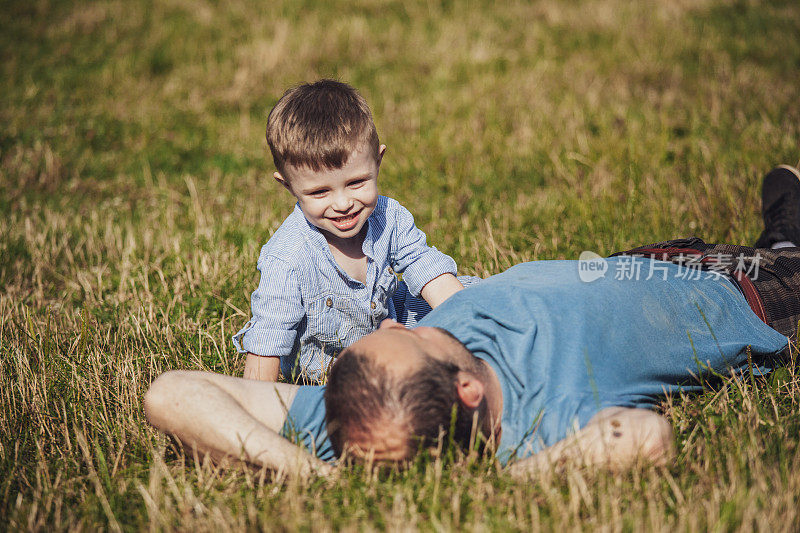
(135, 192)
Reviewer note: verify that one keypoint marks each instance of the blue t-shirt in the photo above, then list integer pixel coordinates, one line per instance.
(305, 423)
(563, 349)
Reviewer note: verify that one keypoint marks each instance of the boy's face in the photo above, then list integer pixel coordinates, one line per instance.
(337, 201)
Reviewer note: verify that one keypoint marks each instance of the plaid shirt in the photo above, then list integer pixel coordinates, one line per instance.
(306, 309)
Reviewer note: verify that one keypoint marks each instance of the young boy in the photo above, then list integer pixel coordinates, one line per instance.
(328, 274)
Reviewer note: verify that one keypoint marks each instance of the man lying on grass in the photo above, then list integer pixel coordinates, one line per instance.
(550, 361)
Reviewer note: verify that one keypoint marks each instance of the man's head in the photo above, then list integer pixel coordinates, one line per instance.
(327, 154)
(395, 391)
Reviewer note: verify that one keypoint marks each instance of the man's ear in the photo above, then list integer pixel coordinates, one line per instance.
(280, 179)
(470, 389)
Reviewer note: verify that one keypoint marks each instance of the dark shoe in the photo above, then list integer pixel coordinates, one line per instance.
(780, 207)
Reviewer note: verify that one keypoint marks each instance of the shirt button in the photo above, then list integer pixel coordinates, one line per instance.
(373, 305)
(329, 302)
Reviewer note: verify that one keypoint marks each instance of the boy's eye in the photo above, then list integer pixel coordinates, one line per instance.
(357, 183)
(317, 193)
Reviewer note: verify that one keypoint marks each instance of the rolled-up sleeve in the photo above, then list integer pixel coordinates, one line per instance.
(412, 257)
(277, 310)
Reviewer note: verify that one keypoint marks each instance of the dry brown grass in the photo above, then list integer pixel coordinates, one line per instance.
(135, 195)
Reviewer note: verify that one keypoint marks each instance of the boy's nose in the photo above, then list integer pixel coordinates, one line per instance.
(342, 202)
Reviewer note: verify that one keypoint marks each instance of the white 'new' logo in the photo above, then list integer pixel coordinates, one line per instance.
(591, 266)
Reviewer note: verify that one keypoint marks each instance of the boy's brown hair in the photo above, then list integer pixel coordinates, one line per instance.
(318, 125)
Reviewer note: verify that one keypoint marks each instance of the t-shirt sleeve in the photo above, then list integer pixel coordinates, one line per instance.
(277, 310)
(411, 255)
(305, 422)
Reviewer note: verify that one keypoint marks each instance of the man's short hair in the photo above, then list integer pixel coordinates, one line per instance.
(318, 125)
(361, 394)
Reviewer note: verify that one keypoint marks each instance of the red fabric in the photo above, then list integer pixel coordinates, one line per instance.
(751, 295)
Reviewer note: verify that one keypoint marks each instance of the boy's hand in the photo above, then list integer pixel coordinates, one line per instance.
(440, 289)
(263, 368)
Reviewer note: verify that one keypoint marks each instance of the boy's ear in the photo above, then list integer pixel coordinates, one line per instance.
(470, 389)
(381, 151)
(280, 179)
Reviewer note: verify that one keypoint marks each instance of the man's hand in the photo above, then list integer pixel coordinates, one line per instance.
(615, 438)
(262, 368)
(440, 289)
(309, 466)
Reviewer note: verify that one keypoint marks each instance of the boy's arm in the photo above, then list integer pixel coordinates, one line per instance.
(440, 289)
(229, 418)
(262, 367)
(276, 311)
(421, 265)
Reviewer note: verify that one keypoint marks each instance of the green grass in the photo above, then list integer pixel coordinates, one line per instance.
(135, 192)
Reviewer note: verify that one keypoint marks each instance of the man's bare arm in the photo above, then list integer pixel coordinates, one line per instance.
(229, 417)
(615, 438)
(440, 289)
(262, 368)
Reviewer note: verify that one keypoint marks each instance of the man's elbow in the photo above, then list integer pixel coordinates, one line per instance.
(635, 436)
(659, 443)
(160, 398)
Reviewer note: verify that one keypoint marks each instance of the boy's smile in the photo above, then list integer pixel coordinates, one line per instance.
(346, 222)
(337, 201)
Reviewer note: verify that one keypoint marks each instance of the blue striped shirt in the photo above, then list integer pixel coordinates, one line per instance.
(306, 309)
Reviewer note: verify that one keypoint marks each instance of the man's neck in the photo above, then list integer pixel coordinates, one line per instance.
(494, 400)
